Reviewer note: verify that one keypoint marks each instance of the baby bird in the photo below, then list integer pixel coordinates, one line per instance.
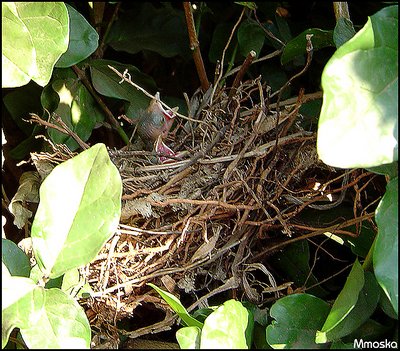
(153, 126)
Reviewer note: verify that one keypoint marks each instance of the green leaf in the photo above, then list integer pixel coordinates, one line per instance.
(390, 169)
(297, 46)
(294, 262)
(276, 78)
(189, 337)
(15, 259)
(297, 318)
(385, 256)
(249, 5)
(176, 305)
(219, 39)
(354, 305)
(361, 244)
(250, 37)
(144, 27)
(343, 31)
(106, 82)
(21, 102)
(230, 326)
(79, 209)
(35, 35)
(83, 39)
(78, 109)
(46, 318)
(284, 29)
(358, 124)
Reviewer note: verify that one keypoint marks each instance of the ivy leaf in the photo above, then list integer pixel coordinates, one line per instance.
(297, 318)
(358, 125)
(250, 37)
(35, 35)
(385, 257)
(297, 46)
(147, 28)
(77, 108)
(59, 321)
(79, 209)
(83, 40)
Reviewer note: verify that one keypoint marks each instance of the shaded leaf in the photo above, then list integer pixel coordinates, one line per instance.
(343, 31)
(297, 318)
(145, 27)
(385, 256)
(219, 39)
(297, 46)
(14, 259)
(390, 169)
(294, 262)
(83, 39)
(107, 83)
(21, 102)
(249, 5)
(250, 37)
(354, 305)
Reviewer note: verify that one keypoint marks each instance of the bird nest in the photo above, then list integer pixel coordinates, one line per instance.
(203, 224)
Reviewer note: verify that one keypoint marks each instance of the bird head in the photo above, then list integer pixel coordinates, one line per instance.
(155, 121)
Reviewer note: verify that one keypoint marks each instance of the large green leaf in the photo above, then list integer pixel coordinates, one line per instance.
(297, 318)
(77, 108)
(83, 39)
(107, 83)
(297, 46)
(385, 257)
(79, 209)
(354, 305)
(250, 37)
(145, 27)
(46, 318)
(359, 118)
(219, 39)
(230, 326)
(35, 34)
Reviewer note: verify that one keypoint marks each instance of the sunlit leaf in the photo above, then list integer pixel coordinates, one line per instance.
(79, 209)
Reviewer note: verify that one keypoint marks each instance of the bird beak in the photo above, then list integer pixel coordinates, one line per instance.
(163, 149)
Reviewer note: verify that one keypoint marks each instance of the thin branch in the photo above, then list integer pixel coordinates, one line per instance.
(81, 75)
(341, 9)
(194, 46)
(243, 69)
(63, 129)
(100, 50)
(223, 54)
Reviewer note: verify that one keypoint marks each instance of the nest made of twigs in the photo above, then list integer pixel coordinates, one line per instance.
(203, 223)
